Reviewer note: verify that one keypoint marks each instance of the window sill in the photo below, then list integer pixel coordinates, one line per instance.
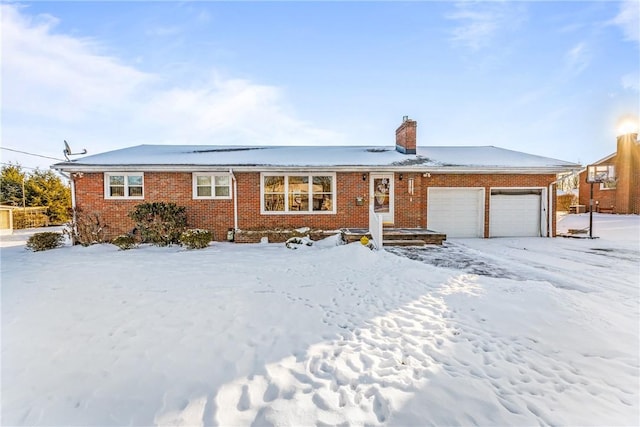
(297, 213)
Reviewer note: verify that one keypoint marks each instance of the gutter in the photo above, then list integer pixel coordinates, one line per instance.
(74, 167)
(235, 200)
(550, 211)
(74, 217)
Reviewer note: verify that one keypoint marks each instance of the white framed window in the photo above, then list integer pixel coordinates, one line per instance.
(120, 185)
(299, 193)
(211, 185)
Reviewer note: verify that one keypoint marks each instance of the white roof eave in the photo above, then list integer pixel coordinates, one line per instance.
(77, 167)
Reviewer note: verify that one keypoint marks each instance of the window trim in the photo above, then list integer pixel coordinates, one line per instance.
(126, 175)
(194, 185)
(310, 175)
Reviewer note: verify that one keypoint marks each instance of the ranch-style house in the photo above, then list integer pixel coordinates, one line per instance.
(472, 191)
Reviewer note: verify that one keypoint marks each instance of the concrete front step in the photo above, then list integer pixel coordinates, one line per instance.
(396, 236)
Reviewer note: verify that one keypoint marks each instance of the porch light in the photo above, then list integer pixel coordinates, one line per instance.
(364, 176)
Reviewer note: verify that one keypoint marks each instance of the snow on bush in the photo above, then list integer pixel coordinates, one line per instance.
(45, 241)
(195, 238)
(124, 242)
(296, 242)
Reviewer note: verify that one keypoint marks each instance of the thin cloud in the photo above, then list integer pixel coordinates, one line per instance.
(578, 58)
(53, 75)
(69, 88)
(631, 82)
(628, 19)
(479, 23)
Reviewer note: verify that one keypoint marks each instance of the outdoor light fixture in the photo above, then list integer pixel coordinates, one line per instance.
(400, 177)
(364, 176)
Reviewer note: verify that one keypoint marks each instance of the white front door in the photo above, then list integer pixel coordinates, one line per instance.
(381, 195)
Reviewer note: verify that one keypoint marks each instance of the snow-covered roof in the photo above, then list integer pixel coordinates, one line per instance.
(196, 157)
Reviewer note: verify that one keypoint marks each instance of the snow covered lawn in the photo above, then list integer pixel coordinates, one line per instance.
(491, 332)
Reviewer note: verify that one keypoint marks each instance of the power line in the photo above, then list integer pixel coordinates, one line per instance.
(32, 154)
(19, 166)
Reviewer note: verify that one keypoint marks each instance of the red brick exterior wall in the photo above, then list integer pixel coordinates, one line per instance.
(606, 198)
(488, 181)
(634, 203)
(176, 187)
(348, 214)
(217, 215)
(625, 198)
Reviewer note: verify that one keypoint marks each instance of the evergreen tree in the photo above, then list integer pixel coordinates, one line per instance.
(41, 188)
(12, 179)
(45, 188)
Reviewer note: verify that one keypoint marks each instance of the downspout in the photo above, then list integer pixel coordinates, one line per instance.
(73, 206)
(550, 212)
(235, 200)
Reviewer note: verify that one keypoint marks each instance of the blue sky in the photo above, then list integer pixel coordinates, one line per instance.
(548, 78)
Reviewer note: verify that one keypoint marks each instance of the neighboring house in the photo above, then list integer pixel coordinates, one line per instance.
(621, 196)
(6, 220)
(461, 191)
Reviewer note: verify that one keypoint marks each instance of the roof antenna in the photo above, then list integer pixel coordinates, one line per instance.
(67, 151)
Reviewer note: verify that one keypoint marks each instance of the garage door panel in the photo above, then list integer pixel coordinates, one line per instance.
(457, 212)
(514, 215)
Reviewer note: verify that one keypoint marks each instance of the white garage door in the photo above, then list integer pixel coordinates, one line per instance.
(514, 215)
(457, 212)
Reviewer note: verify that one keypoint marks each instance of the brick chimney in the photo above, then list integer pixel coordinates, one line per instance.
(406, 136)
(624, 175)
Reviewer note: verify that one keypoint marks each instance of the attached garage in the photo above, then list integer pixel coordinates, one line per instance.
(517, 213)
(457, 212)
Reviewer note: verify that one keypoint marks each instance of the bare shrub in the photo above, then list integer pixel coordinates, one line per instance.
(86, 228)
(564, 201)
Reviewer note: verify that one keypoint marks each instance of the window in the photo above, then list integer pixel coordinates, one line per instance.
(124, 185)
(273, 193)
(298, 193)
(211, 186)
(608, 185)
(322, 193)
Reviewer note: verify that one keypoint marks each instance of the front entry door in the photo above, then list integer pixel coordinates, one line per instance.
(381, 195)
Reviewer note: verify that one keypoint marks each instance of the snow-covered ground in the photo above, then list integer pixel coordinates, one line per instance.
(522, 331)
